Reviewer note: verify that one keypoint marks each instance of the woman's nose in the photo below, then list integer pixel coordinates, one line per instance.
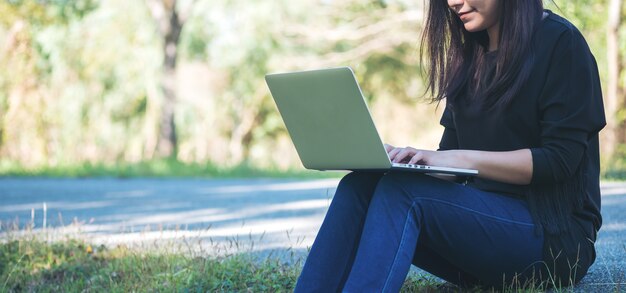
(455, 3)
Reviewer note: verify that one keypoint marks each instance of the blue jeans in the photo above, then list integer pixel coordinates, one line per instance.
(380, 223)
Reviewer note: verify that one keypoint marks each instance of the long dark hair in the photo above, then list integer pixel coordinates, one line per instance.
(455, 55)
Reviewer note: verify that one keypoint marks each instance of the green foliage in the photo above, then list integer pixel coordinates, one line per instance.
(84, 84)
(615, 169)
(30, 264)
(75, 266)
(44, 13)
(590, 17)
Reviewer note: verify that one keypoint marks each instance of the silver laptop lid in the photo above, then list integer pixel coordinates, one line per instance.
(328, 119)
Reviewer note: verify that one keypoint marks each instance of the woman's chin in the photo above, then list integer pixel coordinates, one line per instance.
(472, 28)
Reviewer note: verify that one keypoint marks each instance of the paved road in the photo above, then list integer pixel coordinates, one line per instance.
(273, 213)
(222, 216)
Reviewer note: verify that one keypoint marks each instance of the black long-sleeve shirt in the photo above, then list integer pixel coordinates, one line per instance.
(557, 115)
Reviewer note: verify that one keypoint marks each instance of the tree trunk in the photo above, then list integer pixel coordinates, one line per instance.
(614, 134)
(170, 25)
(167, 144)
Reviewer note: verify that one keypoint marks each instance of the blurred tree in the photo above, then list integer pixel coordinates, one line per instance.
(280, 36)
(170, 19)
(25, 127)
(615, 91)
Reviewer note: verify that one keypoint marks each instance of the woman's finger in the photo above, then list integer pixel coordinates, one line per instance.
(393, 153)
(416, 158)
(403, 154)
(389, 147)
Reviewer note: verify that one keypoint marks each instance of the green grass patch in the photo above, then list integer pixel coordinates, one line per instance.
(614, 168)
(615, 172)
(75, 266)
(156, 168)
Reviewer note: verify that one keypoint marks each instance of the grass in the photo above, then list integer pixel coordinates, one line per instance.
(176, 169)
(32, 265)
(616, 174)
(74, 266)
(54, 260)
(614, 170)
(156, 168)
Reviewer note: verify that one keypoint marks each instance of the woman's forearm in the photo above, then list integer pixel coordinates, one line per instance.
(515, 167)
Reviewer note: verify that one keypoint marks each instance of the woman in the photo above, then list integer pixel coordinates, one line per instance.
(524, 107)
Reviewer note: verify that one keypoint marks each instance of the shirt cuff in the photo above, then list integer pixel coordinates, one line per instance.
(541, 168)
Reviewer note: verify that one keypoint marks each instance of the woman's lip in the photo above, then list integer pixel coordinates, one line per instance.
(464, 13)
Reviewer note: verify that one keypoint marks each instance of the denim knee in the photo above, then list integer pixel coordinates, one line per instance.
(393, 195)
(403, 190)
(418, 184)
(398, 183)
(358, 185)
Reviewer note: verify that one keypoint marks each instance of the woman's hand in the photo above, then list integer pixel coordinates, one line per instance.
(410, 155)
(514, 167)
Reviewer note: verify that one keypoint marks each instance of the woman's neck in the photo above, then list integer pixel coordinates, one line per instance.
(494, 34)
(494, 37)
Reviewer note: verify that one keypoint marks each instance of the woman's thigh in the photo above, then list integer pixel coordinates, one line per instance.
(332, 254)
(471, 233)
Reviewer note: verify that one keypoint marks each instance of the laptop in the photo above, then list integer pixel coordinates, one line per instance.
(330, 124)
